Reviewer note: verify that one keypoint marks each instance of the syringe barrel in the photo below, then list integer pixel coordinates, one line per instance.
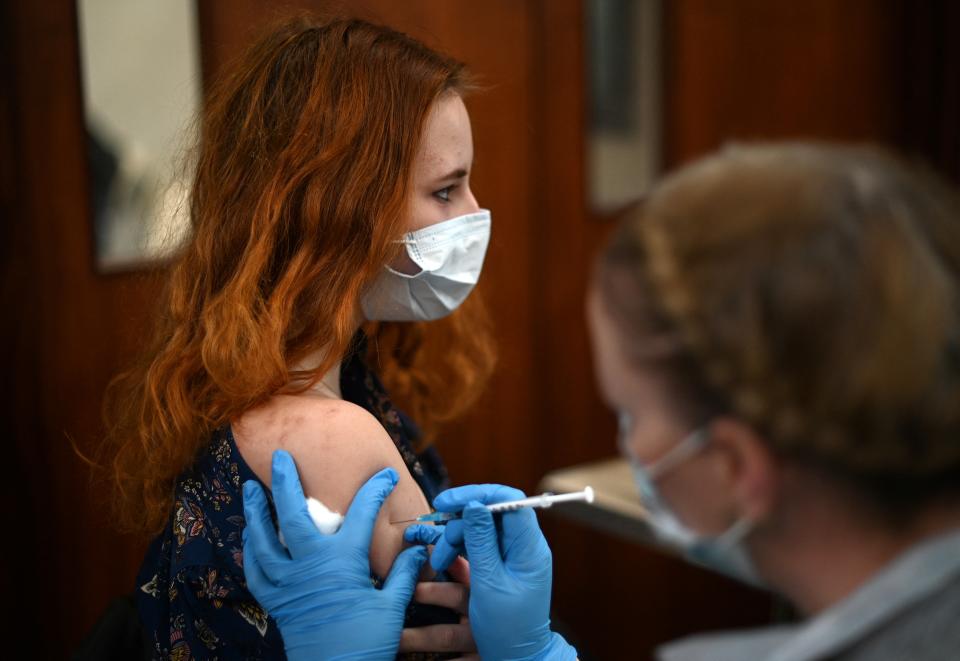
(542, 501)
(536, 501)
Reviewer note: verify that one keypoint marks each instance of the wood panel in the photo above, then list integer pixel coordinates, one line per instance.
(19, 382)
(930, 84)
(754, 69)
(74, 329)
(735, 70)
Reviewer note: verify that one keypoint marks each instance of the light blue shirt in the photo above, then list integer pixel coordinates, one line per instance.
(909, 610)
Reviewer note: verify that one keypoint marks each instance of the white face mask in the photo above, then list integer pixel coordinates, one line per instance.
(725, 553)
(450, 255)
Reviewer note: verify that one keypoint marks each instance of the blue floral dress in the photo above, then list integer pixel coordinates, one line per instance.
(192, 596)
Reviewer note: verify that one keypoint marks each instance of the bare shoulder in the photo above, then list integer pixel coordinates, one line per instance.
(331, 436)
(328, 434)
(337, 447)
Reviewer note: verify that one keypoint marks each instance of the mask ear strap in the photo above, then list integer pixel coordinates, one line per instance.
(740, 529)
(685, 449)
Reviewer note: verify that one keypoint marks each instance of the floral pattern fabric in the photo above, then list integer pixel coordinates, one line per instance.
(192, 596)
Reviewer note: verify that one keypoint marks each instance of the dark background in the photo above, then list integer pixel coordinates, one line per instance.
(880, 70)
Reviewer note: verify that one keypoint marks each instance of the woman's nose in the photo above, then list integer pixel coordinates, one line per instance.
(471, 202)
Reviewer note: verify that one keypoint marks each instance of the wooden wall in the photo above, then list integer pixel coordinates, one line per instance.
(66, 330)
(849, 70)
(741, 69)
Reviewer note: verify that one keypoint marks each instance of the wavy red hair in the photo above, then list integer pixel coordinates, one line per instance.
(302, 177)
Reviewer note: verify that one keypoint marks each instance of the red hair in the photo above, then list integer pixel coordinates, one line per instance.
(301, 186)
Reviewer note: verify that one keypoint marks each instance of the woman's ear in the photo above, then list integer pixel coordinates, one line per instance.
(750, 468)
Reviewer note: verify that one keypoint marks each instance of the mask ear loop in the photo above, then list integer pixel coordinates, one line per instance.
(685, 449)
(688, 447)
(407, 241)
(736, 532)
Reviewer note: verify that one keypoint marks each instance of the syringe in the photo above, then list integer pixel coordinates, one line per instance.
(542, 501)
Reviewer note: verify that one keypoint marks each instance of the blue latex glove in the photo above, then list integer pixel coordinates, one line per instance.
(511, 573)
(447, 541)
(318, 588)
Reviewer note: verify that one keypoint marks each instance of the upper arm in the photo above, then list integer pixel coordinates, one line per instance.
(337, 447)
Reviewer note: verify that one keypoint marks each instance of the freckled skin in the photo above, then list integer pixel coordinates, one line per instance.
(337, 447)
(447, 146)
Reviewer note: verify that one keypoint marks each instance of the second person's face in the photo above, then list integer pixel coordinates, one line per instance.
(694, 489)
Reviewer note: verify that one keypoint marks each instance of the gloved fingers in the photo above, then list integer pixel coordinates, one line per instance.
(521, 532)
(454, 500)
(448, 547)
(259, 537)
(482, 542)
(362, 514)
(420, 533)
(300, 533)
(257, 580)
(404, 574)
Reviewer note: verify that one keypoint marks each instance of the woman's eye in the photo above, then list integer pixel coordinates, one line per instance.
(444, 193)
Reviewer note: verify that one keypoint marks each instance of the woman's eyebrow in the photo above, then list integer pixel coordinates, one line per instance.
(459, 173)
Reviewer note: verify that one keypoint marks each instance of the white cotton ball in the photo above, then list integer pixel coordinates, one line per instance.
(327, 521)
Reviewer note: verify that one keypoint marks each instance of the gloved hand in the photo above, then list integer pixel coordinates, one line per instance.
(318, 588)
(511, 574)
(447, 541)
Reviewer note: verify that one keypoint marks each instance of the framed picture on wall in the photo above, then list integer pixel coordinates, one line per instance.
(623, 64)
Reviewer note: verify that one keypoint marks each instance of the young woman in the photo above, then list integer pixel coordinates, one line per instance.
(332, 189)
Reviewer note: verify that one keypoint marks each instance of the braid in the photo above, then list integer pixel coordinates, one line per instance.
(737, 375)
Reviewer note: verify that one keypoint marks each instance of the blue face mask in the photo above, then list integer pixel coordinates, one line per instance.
(725, 553)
